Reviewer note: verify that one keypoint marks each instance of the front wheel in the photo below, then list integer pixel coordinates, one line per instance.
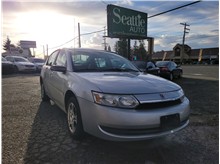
(44, 96)
(74, 119)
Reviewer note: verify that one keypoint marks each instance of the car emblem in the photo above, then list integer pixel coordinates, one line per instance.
(162, 96)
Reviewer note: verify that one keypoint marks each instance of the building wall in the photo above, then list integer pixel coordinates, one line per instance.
(192, 56)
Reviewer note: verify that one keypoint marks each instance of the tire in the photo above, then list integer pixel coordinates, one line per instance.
(44, 96)
(171, 76)
(74, 119)
(180, 75)
(16, 70)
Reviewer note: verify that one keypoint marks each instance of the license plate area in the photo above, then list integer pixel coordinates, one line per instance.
(170, 121)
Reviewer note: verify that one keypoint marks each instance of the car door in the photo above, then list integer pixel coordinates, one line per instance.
(47, 73)
(57, 79)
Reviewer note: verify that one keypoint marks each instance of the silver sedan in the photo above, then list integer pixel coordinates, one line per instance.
(105, 95)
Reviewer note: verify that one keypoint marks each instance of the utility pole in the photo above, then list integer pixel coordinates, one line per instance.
(79, 35)
(104, 39)
(184, 34)
(47, 49)
(43, 51)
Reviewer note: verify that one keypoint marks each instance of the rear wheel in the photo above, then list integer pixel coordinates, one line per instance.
(171, 76)
(44, 96)
(74, 119)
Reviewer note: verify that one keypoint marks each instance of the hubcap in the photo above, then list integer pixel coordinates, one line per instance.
(72, 117)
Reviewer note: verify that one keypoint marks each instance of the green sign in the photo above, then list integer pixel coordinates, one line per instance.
(123, 22)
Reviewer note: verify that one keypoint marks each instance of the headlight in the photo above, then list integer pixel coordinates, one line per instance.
(121, 101)
(181, 95)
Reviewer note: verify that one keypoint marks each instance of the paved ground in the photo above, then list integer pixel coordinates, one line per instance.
(36, 132)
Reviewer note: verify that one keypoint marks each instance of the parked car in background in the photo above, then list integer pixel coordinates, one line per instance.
(152, 68)
(148, 67)
(105, 95)
(38, 62)
(7, 66)
(21, 64)
(169, 69)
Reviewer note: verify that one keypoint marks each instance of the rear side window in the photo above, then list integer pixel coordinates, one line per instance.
(52, 58)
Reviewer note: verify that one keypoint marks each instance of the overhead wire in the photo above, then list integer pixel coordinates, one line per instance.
(148, 17)
(76, 38)
(174, 9)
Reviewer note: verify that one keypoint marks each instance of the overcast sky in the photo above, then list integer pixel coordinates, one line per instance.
(55, 22)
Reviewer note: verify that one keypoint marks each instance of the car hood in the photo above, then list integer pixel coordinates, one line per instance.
(129, 83)
(7, 62)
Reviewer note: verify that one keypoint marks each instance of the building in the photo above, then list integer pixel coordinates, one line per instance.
(204, 55)
(24, 52)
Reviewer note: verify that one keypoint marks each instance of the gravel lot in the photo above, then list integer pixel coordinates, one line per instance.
(36, 132)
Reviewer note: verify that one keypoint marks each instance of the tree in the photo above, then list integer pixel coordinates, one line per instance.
(7, 44)
(134, 51)
(121, 47)
(142, 51)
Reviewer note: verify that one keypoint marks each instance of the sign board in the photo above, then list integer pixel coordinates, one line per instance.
(27, 44)
(123, 22)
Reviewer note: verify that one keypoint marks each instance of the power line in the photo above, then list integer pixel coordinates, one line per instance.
(91, 32)
(174, 9)
(64, 43)
(75, 38)
(104, 2)
(148, 17)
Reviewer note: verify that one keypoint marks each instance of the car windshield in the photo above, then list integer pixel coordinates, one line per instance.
(150, 64)
(162, 63)
(19, 59)
(3, 59)
(99, 61)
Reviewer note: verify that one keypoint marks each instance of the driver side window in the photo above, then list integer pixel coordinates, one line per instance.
(52, 58)
(61, 59)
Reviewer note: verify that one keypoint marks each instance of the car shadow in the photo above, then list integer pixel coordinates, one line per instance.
(50, 142)
(202, 93)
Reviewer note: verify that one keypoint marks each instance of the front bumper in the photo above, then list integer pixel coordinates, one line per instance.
(128, 124)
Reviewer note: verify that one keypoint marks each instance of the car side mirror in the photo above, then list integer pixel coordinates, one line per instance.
(58, 68)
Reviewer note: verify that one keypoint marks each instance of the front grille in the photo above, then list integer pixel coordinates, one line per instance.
(156, 105)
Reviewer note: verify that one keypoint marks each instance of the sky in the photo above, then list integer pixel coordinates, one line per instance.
(55, 23)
